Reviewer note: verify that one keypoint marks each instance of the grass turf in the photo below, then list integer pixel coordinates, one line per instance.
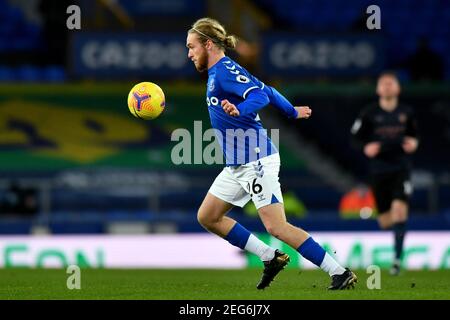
(213, 284)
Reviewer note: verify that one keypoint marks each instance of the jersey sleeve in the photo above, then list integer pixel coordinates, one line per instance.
(280, 102)
(361, 130)
(256, 100)
(233, 80)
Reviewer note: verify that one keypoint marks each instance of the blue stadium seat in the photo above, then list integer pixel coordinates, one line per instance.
(6, 74)
(28, 73)
(54, 74)
(14, 27)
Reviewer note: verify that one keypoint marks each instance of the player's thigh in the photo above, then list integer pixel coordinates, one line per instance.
(402, 191)
(212, 209)
(261, 181)
(399, 210)
(382, 190)
(221, 197)
(227, 188)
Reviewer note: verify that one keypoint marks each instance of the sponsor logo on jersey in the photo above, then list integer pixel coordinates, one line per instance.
(242, 79)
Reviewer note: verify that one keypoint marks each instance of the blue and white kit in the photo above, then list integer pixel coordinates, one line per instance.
(252, 160)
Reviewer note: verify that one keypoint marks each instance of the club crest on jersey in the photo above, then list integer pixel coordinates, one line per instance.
(211, 85)
(242, 79)
(402, 118)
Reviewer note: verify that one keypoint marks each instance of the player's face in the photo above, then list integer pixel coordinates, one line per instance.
(388, 87)
(197, 52)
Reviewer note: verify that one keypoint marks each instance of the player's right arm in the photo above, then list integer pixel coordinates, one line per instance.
(361, 132)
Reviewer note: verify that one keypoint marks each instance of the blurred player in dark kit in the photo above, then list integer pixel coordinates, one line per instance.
(386, 131)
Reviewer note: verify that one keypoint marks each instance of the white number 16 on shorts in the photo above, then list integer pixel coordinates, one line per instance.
(257, 180)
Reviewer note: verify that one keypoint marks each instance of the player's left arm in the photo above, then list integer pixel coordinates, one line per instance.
(232, 81)
(411, 140)
(281, 103)
(257, 99)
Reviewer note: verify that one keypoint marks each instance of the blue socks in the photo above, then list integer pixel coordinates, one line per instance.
(312, 251)
(238, 236)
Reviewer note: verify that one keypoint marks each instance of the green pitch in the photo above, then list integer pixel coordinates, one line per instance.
(213, 284)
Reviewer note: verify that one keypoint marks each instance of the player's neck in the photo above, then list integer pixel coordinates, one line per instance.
(388, 104)
(214, 58)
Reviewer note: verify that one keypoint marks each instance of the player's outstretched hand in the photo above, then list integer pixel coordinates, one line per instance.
(303, 112)
(230, 108)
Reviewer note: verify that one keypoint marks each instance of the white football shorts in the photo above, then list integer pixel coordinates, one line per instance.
(257, 180)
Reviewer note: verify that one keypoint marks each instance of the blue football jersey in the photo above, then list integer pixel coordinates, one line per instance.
(243, 139)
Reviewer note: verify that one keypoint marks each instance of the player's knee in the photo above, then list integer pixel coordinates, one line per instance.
(399, 216)
(399, 211)
(202, 218)
(384, 220)
(206, 220)
(384, 225)
(276, 230)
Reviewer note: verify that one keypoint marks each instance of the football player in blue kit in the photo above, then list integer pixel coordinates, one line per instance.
(234, 97)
